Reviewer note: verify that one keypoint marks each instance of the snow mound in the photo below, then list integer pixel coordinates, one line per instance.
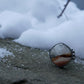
(70, 32)
(13, 24)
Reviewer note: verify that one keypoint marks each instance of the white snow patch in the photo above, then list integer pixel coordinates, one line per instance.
(4, 52)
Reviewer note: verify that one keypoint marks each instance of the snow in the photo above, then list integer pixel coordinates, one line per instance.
(34, 23)
(4, 52)
(12, 24)
(70, 32)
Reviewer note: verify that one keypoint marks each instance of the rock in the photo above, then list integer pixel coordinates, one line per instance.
(33, 66)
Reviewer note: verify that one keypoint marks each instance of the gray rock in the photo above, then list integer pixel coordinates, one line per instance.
(33, 66)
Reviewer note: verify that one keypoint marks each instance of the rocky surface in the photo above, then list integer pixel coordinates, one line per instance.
(33, 66)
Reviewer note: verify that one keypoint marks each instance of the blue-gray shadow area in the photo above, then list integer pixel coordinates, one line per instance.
(80, 3)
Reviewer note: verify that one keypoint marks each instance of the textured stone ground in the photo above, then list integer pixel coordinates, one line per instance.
(33, 66)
